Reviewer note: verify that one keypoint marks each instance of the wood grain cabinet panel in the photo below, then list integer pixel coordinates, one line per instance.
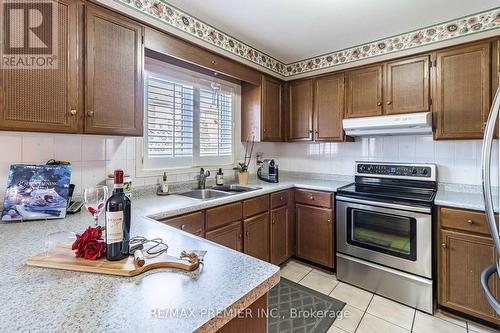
(222, 215)
(114, 82)
(280, 235)
(280, 198)
(406, 85)
(229, 236)
(313, 197)
(47, 100)
(193, 223)
(272, 124)
(364, 92)
(462, 259)
(255, 206)
(256, 236)
(465, 220)
(315, 234)
(495, 67)
(462, 91)
(301, 111)
(329, 108)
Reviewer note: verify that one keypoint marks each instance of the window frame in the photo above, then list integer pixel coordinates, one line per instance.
(163, 69)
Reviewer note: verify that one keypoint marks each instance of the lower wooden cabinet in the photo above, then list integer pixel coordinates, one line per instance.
(256, 236)
(280, 235)
(229, 236)
(315, 234)
(193, 223)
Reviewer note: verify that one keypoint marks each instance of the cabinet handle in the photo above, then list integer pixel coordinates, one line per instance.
(310, 131)
(444, 246)
(316, 132)
(274, 222)
(389, 102)
(328, 221)
(183, 227)
(281, 198)
(470, 221)
(264, 130)
(239, 236)
(246, 234)
(90, 113)
(379, 103)
(311, 198)
(72, 112)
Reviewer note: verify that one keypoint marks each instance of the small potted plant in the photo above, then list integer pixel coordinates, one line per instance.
(242, 167)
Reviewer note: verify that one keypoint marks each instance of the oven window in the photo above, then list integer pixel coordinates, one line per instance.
(385, 233)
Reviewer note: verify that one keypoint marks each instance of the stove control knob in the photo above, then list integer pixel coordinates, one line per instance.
(424, 172)
(414, 171)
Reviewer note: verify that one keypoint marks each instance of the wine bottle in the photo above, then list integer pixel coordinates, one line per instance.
(117, 221)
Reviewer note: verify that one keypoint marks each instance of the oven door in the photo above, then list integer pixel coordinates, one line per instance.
(385, 234)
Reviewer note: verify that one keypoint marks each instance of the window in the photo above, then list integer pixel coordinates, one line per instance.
(189, 119)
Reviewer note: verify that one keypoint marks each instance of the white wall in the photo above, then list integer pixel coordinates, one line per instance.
(458, 161)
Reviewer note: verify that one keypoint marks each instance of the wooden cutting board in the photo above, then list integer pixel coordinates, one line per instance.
(62, 257)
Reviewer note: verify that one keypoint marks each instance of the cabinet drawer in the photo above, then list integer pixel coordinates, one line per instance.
(222, 215)
(255, 206)
(315, 198)
(462, 219)
(279, 199)
(193, 223)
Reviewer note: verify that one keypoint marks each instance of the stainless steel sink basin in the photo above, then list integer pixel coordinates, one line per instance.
(235, 188)
(206, 194)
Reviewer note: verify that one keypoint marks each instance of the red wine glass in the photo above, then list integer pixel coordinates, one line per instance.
(95, 200)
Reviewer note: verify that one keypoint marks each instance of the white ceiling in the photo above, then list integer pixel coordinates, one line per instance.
(293, 30)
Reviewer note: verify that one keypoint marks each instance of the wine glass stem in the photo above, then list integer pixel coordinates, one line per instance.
(96, 220)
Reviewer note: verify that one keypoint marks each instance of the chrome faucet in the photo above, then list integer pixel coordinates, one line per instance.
(202, 178)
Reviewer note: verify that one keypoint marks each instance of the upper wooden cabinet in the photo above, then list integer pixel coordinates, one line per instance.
(301, 111)
(261, 110)
(406, 85)
(462, 91)
(47, 100)
(329, 104)
(364, 92)
(114, 82)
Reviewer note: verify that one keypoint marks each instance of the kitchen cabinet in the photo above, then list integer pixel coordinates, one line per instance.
(229, 236)
(261, 110)
(300, 110)
(495, 66)
(406, 85)
(463, 258)
(193, 223)
(256, 236)
(113, 81)
(329, 103)
(364, 92)
(462, 91)
(222, 215)
(255, 206)
(280, 235)
(314, 234)
(47, 100)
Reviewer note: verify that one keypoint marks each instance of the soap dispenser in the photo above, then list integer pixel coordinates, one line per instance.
(219, 177)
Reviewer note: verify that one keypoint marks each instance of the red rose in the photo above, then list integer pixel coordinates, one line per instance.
(89, 244)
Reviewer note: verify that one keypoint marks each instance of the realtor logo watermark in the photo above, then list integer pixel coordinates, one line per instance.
(30, 34)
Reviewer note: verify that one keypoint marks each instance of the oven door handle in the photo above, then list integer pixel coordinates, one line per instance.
(384, 204)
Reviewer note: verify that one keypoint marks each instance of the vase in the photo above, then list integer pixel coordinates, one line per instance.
(243, 178)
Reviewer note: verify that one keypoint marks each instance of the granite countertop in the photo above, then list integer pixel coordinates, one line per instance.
(465, 200)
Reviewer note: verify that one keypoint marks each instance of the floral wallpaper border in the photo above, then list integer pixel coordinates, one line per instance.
(176, 18)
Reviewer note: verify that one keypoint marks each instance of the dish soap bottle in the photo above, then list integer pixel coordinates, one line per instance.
(219, 177)
(164, 183)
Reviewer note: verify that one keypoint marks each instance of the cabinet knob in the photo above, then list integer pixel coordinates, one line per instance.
(239, 236)
(389, 102)
(281, 198)
(328, 221)
(311, 198)
(90, 113)
(246, 234)
(72, 112)
(379, 104)
(470, 221)
(264, 130)
(273, 222)
(214, 62)
(183, 227)
(444, 246)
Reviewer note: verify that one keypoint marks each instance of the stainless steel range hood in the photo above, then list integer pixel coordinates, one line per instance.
(402, 124)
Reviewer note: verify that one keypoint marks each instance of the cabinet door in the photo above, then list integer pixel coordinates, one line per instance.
(301, 111)
(315, 234)
(280, 235)
(364, 92)
(462, 259)
(329, 108)
(47, 100)
(256, 242)
(462, 91)
(114, 82)
(193, 223)
(229, 236)
(271, 110)
(406, 86)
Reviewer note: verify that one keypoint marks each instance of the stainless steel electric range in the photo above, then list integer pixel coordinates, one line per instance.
(384, 231)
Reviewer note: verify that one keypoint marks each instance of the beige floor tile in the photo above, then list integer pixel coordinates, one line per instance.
(356, 297)
(319, 282)
(325, 273)
(391, 311)
(294, 273)
(334, 329)
(350, 319)
(451, 318)
(300, 264)
(478, 328)
(425, 323)
(372, 324)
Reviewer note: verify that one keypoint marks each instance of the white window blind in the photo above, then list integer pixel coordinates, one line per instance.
(189, 119)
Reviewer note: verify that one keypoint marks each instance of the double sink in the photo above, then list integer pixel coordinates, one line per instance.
(219, 191)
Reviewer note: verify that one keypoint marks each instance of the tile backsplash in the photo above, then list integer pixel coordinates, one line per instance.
(458, 161)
